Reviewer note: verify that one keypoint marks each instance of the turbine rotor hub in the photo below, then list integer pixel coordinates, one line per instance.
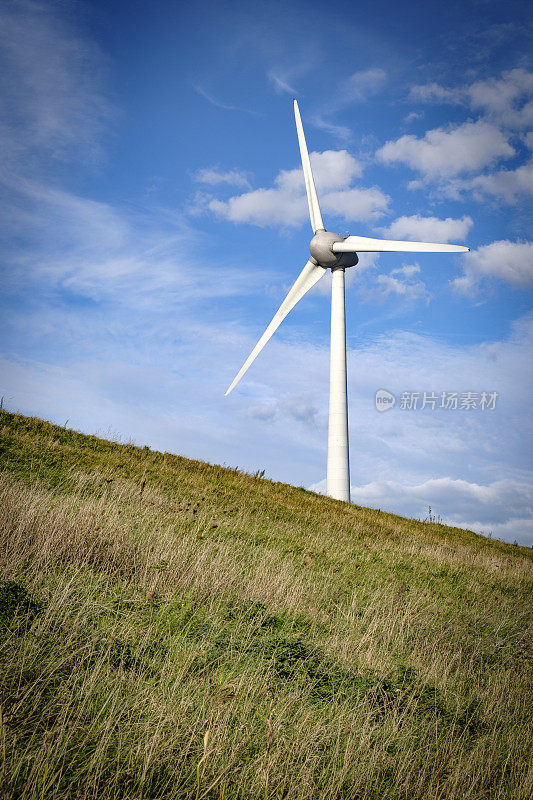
(321, 252)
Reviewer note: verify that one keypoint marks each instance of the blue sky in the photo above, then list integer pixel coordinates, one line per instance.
(154, 217)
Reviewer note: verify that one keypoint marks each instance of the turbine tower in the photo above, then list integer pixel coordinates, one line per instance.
(337, 253)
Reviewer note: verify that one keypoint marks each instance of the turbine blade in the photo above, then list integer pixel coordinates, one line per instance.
(312, 199)
(362, 244)
(307, 278)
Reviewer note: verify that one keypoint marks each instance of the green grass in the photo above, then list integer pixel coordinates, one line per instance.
(174, 629)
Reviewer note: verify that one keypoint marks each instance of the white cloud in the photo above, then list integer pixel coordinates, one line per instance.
(286, 205)
(402, 282)
(434, 93)
(412, 116)
(262, 207)
(504, 107)
(429, 229)
(299, 408)
(506, 184)
(214, 176)
(341, 132)
(356, 205)
(506, 100)
(509, 185)
(447, 152)
(361, 85)
(280, 83)
(507, 261)
(332, 169)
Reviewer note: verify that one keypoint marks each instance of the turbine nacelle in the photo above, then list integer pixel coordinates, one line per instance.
(321, 248)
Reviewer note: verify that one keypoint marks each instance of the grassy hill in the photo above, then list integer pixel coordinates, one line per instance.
(173, 629)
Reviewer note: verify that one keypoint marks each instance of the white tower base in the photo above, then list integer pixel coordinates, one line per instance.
(338, 470)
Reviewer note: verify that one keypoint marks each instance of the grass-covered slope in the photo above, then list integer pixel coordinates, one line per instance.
(172, 629)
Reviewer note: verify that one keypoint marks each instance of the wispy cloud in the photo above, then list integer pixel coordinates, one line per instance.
(412, 116)
(209, 96)
(356, 88)
(341, 132)
(280, 83)
(435, 93)
(60, 241)
(214, 176)
(360, 86)
(102, 251)
(52, 104)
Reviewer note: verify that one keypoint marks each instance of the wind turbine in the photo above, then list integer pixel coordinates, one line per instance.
(337, 253)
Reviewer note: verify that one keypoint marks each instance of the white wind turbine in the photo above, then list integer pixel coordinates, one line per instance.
(334, 252)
